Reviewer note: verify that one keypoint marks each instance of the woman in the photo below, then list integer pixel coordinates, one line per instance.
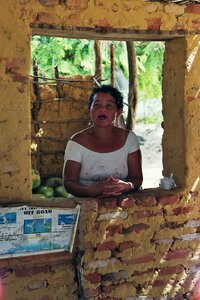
(103, 159)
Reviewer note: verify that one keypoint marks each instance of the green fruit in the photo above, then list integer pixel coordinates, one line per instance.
(60, 192)
(36, 179)
(46, 190)
(54, 182)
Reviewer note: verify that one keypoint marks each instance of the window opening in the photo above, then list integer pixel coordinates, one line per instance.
(56, 60)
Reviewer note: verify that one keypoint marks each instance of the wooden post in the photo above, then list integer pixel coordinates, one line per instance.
(133, 87)
(98, 63)
(58, 84)
(112, 65)
(35, 110)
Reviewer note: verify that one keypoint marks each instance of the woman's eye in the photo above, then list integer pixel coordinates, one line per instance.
(110, 106)
(96, 106)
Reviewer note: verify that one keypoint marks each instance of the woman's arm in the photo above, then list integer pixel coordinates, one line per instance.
(72, 185)
(135, 175)
(116, 186)
(111, 186)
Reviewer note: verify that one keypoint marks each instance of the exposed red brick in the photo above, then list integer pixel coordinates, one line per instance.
(146, 200)
(177, 254)
(109, 245)
(196, 24)
(127, 245)
(114, 276)
(136, 228)
(157, 283)
(126, 202)
(45, 17)
(92, 292)
(92, 205)
(17, 77)
(182, 210)
(196, 290)
(103, 24)
(190, 98)
(109, 203)
(171, 270)
(98, 3)
(188, 282)
(169, 225)
(14, 63)
(93, 277)
(138, 260)
(168, 199)
(77, 4)
(21, 88)
(74, 18)
(113, 229)
(154, 24)
(193, 9)
(108, 288)
(147, 213)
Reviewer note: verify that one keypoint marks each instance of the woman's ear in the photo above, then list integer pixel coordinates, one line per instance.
(119, 112)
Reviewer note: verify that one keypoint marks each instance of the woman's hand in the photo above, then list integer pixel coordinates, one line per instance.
(114, 187)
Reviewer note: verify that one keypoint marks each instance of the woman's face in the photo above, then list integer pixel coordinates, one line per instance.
(103, 110)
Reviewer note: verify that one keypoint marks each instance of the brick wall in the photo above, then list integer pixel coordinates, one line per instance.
(145, 244)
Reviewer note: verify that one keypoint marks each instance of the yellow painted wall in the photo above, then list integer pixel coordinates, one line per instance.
(181, 143)
(18, 17)
(44, 282)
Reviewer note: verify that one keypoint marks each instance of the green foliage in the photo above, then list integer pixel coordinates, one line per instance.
(76, 56)
(72, 56)
(149, 68)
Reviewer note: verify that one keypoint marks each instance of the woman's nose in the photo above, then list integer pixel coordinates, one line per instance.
(102, 107)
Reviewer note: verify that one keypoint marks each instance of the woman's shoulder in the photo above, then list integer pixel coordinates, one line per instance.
(81, 136)
(122, 131)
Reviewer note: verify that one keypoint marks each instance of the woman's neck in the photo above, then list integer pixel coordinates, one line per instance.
(104, 133)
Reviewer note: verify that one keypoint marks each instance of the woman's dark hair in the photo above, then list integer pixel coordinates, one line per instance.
(107, 89)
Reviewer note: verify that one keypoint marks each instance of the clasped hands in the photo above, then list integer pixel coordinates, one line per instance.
(112, 186)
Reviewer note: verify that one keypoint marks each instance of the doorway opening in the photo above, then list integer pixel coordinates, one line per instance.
(59, 58)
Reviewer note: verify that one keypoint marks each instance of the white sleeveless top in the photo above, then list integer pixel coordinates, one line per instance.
(96, 166)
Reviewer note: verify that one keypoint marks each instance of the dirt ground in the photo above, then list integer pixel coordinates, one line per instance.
(150, 138)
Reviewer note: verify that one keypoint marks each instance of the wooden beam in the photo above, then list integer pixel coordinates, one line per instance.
(110, 33)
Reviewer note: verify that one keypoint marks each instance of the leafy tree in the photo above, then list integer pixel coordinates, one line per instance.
(76, 56)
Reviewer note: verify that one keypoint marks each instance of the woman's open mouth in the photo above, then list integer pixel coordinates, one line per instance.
(102, 117)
